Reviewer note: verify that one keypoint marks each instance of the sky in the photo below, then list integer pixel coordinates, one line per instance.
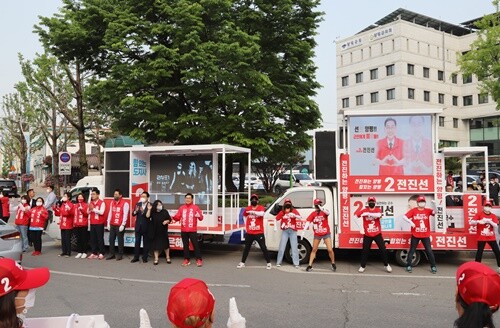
(342, 19)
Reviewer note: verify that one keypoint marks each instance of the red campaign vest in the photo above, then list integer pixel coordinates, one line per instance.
(22, 218)
(81, 216)
(117, 212)
(94, 217)
(65, 215)
(38, 216)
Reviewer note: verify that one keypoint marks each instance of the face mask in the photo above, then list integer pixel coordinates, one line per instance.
(371, 205)
(64, 199)
(29, 299)
(80, 200)
(39, 203)
(288, 206)
(49, 191)
(23, 201)
(253, 203)
(116, 198)
(144, 200)
(487, 209)
(159, 208)
(421, 204)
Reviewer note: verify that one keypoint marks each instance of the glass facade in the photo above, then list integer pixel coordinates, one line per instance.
(486, 132)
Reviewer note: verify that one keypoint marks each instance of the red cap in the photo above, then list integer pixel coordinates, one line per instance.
(254, 196)
(487, 203)
(420, 199)
(17, 278)
(372, 199)
(318, 201)
(189, 297)
(477, 282)
(287, 201)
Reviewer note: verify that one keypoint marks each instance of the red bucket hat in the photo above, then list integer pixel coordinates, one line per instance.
(14, 277)
(287, 201)
(477, 282)
(189, 297)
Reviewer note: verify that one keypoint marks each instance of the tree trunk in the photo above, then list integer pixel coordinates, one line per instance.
(82, 154)
(230, 187)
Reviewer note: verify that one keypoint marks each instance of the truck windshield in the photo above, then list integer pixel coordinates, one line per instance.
(302, 176)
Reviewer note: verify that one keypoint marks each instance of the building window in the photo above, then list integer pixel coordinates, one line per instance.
(391, 94)
(448, 143)
(345, 81)
(455, 123)
(390, 69)
(359, 77)
(455, 101)
(345, 102)
(359, 100)
(467, 79)
(374, 97)
(411, 93)
(374, 74)
(454, 78)
(427, 96)
(441, 98)
(426, 72)
(441, 121)
(440, 75)
(467, 100)
(411, 69)
(482, 98)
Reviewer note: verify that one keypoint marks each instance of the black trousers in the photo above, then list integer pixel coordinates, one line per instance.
(186, 237)
(494, 247)
(137, 245)
(261, 240)
(97, 239)
(114, 233)
(367, 244)
(82, 239)
(36, 238)
(66, 241)
(428, 249)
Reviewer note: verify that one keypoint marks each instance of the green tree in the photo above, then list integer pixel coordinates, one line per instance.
(483, 59)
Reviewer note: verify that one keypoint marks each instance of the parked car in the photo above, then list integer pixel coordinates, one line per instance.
(298, 180)
(10, 242)
(9, 186)
(470, 179)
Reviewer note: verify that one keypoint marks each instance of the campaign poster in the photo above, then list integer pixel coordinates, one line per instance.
(391, 154)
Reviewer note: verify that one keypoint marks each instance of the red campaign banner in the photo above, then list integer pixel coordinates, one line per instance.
(175, 242)
(407, 183)
(472, 206)
(345, 208)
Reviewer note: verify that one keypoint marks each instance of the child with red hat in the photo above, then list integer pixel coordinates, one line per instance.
(478, 295)
(419, 219)
(486, 223)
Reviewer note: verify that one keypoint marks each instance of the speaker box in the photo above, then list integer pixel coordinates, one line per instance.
(325, 155)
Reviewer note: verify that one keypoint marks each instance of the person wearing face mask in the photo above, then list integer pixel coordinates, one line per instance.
(66, 212)
(81, 226)
(18, 291)
(141, 229)
(254, 221)
(158, 219)
(117, 219)
(22, 221)
(97, 222)
(51, 201)
(419, 220)
(486, 223)
(38, 216)
(319, 220)
(368, 219)
(288, 217)
(4, 199)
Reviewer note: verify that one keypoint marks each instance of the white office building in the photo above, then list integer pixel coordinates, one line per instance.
(408, 60)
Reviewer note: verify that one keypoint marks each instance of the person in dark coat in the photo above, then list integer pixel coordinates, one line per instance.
(159, 219)
(494, 190)
(141, 229)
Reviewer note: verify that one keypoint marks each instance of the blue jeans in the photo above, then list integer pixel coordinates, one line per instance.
(23, 230)
(285, 236)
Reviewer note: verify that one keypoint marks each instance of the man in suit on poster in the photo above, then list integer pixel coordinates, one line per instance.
(417, 149)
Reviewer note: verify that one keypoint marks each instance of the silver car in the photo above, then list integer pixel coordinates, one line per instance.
(10, 242)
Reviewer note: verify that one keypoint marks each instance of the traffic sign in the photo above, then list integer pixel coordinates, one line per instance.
(64, 163)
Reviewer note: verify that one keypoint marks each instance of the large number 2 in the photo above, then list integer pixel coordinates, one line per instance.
(6, 284)
(390, 184)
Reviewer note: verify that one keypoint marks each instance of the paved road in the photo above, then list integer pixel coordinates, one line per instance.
(281, 297)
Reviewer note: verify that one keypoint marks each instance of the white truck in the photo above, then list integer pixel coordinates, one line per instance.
(393, 155)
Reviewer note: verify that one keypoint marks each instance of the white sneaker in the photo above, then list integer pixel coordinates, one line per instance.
(361, 270)
(84, 255)
(268, 266)
(240, 265)
(297, 266)
(78, 255)
(388, 268)
(278, 265)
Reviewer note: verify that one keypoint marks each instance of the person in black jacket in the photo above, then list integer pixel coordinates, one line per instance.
(141, 229)
(494, 189)
(159, 219)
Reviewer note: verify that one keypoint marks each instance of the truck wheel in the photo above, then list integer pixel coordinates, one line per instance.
(401, 257)
(304, 251)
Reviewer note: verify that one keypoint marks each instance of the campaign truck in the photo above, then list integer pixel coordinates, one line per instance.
(393, 155)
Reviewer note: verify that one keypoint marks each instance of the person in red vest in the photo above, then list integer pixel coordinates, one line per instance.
(189, 214)
(22, 221)
(117, 219)
(81, 226)
(4, 199)
(97, 207)
(38, 216)
(486, 223)
(65, 210)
